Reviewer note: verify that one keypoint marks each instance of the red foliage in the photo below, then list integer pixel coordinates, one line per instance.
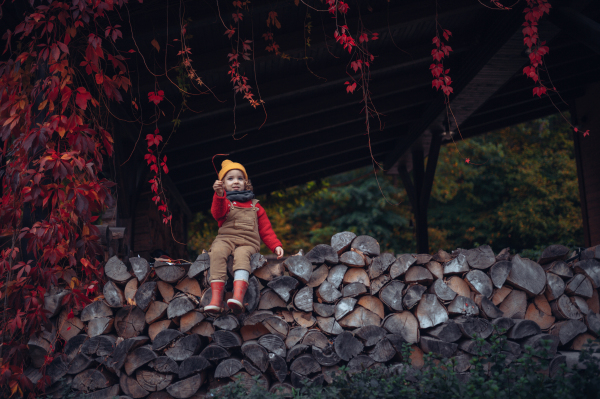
(441, 79)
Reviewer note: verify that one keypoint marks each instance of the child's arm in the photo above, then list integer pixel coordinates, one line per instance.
(267, 235)
(219, 206)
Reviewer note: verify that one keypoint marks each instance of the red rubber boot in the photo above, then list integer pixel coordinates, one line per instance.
(239, 291)
(215, 308)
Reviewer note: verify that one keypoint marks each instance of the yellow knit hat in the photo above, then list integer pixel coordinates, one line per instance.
(227, 165)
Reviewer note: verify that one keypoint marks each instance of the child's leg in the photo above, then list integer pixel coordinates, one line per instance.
(218, 253)
(241, 272)
(241, 257)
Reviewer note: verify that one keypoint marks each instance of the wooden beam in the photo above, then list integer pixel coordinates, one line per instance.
(577, 25)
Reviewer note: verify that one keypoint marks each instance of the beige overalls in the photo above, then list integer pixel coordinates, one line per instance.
(238, 236)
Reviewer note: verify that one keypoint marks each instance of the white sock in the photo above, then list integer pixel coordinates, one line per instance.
(241, 275)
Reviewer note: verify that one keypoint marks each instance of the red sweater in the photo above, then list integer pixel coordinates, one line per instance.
(220, 208)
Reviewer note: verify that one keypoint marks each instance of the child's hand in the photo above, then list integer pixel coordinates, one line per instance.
(218, 187)
(279, 252)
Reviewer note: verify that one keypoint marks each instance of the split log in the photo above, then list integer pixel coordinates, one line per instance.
(564, 309)
(372, 304)
(552, 253)
(73, 346)
(152, 381)
(226, 322)
(165, 338)
(131, 387)
(57, 369)
(357, 275)
(360, 363)
(581, 304)
(527, 275)
(326, 357)
(113, 295)
(248, 382)
(360, 317)
(560, 268)
(480, 283)
(130, 322)
(273, 344)
(257, 354)
(145, 295)
(303, 299)
(327, 292)
(214, 353)
(535, 342)
(68, 328)
(95, 310)
(119, 356)
(370, 335)
(499, 272)
(448, 332)
(380, 265)
(401, 265)
(79, 363)
(383, 351)
(102, 325)
(568, 330)
(39, 348)
(323, 253)
(257, 317)
(336, 275)
(340, 242)
(253, 332)
(503, 324)
(227, 368)
(204, 329)
(347, 346)
(391, 295)
(413, 295)
(179, 306)
(137, 358)
(282, 286)
(201, 264)
(329, 325)
(250, 368)
(457, 265)
(352, 259)
(555, 286)
(419, 275)
(582, 341)
(270, 300)
(474, 347)
(474, 327)
(442, 256)
(166, 291)
(164, 364)
(501, 294)
(269, 272)
(284, 390)
(481, 257)
(299, 267)
(278, 367)
(277, 326)
(430, 312)
(579, 285)
(186, 347)
(403, 323)
(514, 305)
(442, 291)
(523, 329)
(304, 319)
(458, 285)
(296, 351)
(252, 295)
(366, 245)
(436, 269)
(103, 345)
(323, 309)
(189, 286)
(295, 335)
(92, 379)
(53, 303)
(185, 388)
(190, 320)
(170, 273)
(140, 268)
(298, 380)
(437, 346)
(539, 311)
(354, 289)
(256, 262)
(487, 307)
(463, 306)
(315, 338)
(158, 326)
(318, 276)
(591, 269)
(593, 322)
(193, 365)
(344, 306)
(116, 270)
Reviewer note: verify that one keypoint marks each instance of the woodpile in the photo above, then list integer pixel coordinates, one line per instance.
(344, 304)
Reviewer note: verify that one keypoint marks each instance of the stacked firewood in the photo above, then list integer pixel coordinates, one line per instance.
(340, 304)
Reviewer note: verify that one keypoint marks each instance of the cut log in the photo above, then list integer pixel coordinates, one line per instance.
(474, 327)
(193, 365)
(92, 379)
(140, 268)
(190, 320)
(68, 328)
(296, 351)
(113, 295)
(318, 276)
(436, 269)
(523, 329)
(591, 269)
(372, 304)
(303, 299)
(270, 300)
(283, 286)
(130, 322)
(270, 271)
(401, 265)
(336, 275)
(352, 259)
(201, 264)
(360, 363)
(273, 344)
(457, 265)
(340, 242)
(564, 309)
(503, 324)
(256, 354)
(145, 295)
(370, 335)
(256, 262)
(304, 319)
(102, 325)
(131, 387)
(179, 306)
(366, 245)
(253, 332)
(248, 382)
(560, 268)
(527, 275)
(72, 346)
(152, 381)
(463, 306)
(360, 317)
(137, 358)
(116, 270)
(204, 329)
(403, 323)
(539, 311)
(165, 338)
(442, 256)
(190, 286)
(579, 285)
(329, 325)
(299, 267)
(328, 293)
(448, 332)
(555, 286)
(430, 312)
(252, 295)
(499, 272)
(95, 310)
(593, 322)
(458, 285)
(57, 369)
(257, 317)
(166, 291)
(413, 295)
(186, 347)
(344, 306)
(481, 257)
(323, 253)
(228, 368)
(326, 357)
(250, 368)
(514, 305)
(347, 346)
(186, 388)
(500, 294)
(582, 341)
(315, 338)
(277, 326)
(305, 365)
(170, 273)
(380, 265)
(383, 351)
(164, 364)
(298, 381)
(594, 302)
(123, 349)
(323, 309)
(158, 326)
(487, 307)
(357, 275)
(552, 253)
(437, 346)
(442, 291)
(79, 363)
(480, 283)
(354, 289)
(226, 322)
(391, 295)
(568, 330)
(474, 347)
(103, 345)
(295, 335)
(53, 303)
(214, 353)
(418, 275)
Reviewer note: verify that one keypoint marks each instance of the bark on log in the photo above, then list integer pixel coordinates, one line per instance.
(340, 242)
(323, 253)
(352, 259)
(366, 245)
(116, 270)
(457, 265)
(418, 275)
(430, 312)
(299, 267)
(527, 275)
(380, 265)
(499, 272)
(170, 273)
(413, 295)
(579, 285)
(401, 265)
(481, 257)
(480, 283)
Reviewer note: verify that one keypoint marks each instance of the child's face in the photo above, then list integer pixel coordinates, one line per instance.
(234, 180)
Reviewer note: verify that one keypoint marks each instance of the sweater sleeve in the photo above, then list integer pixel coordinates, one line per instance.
(265, 230)
(219, 208)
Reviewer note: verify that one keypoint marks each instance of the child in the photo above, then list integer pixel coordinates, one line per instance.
(242, 224)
